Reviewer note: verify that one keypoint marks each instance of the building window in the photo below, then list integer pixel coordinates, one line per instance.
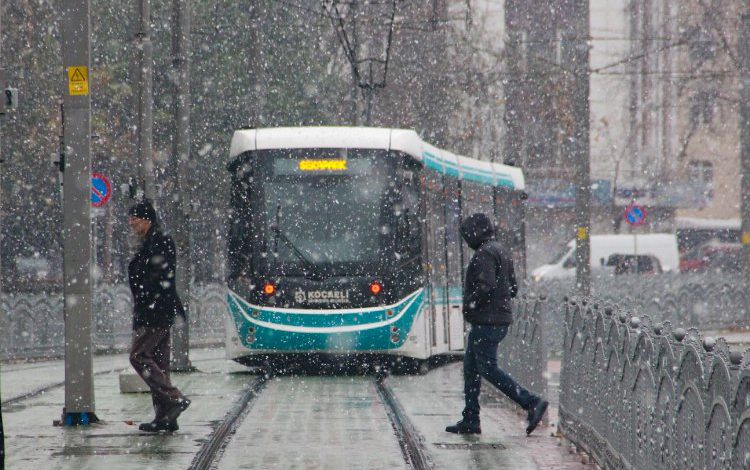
(701, 175)
(700, 171)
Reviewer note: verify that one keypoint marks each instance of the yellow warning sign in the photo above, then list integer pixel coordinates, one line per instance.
(745, 238)
(78, 81)
(583, 233)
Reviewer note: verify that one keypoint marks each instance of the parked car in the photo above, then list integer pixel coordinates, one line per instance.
(634, 264)
(662, 246)
(712, 256)
(34, 273)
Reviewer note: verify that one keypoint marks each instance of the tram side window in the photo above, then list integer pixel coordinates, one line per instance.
(240, 227)
(453, 234)
(504, 219)
(470, 204)
(476, 198)
(407, 211)
(436, 227)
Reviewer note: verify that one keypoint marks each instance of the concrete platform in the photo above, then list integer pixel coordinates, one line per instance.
(295, 422)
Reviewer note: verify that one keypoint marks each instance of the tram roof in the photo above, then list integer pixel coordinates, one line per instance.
(407, 141)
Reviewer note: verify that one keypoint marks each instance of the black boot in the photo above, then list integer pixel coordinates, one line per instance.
(177, 408)
(158, 426)
(465, 427)
(536, 413)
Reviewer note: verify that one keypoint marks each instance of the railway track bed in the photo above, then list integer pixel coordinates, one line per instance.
(243, 420)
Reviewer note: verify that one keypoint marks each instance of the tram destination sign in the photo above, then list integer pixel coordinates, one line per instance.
(322, 166)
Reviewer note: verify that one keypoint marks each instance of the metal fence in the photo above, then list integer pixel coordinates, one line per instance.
(641, 395)
(523, 353)
(32, 325)
(708, 302)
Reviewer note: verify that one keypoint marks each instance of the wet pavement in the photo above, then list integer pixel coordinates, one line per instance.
(321, 422)
(305, 422)
(436, 400)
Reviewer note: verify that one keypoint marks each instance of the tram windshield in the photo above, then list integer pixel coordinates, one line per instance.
(327, 208)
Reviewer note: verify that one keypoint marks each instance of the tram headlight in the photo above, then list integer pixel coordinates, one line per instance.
(269, 288)
(376, 287)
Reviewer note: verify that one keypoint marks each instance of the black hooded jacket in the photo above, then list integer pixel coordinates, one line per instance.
(152, 278)
(490, 280)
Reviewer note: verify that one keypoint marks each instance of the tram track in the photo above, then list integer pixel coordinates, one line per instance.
(46, 388)
(59, 384)
(409, 439)
(219, 438)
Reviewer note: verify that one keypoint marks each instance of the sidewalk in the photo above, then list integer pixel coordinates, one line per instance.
(33, 442)
(436, 400)
(296, 422)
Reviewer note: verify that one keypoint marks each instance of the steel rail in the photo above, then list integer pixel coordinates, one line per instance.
(409, 439)
(46, 388)
(217, 441)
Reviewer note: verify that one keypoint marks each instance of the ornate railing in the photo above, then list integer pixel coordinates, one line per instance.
(708, 302)
(641, 395)
(32, 324)
(523, 353)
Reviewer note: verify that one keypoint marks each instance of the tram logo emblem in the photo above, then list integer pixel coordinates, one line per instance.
(322, 296)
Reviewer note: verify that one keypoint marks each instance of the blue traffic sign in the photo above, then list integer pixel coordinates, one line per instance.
(101, 190)
(635, 215)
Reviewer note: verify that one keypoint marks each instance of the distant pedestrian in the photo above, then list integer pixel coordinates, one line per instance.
(156, 304)
(490, 285)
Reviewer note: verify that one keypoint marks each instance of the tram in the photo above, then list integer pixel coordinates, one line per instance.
(344, 243)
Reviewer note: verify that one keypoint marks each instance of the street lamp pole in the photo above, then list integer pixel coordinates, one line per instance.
(745, 145)
(580, 142)
(144, 84)
(76, 51)
(180, 162)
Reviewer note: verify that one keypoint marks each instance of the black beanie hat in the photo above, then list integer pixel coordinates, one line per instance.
(143, 210)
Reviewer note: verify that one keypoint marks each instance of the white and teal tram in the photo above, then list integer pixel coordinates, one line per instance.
(344, 243)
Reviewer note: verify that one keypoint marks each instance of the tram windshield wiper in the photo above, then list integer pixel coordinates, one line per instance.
(279, 234)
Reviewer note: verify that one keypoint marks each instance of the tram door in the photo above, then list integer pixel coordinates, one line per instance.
(453, 242)
(437, 268)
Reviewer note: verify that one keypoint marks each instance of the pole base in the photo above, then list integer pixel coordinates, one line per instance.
(77, 419)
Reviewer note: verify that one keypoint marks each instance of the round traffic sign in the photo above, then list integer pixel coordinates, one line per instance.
(101, 189)
(635, 215)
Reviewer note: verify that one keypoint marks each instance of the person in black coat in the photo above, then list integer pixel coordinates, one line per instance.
(156, 304)
(490, 285)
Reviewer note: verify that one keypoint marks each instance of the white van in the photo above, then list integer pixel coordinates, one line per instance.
(662, 246)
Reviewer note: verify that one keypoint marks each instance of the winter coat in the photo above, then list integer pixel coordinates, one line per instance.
(490, 282)
(152, 278)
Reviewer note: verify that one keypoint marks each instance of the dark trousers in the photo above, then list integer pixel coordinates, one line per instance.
(150, 356)
(480, 360)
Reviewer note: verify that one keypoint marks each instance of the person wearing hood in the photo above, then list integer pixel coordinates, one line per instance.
(490, 285)
(156, 304)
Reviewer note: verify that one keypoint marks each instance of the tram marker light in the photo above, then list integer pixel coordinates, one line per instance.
(269, 288)
(376, 288)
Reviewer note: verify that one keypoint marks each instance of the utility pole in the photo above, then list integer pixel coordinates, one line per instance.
(745, 145)
(76, 50)
(180, 160)
(2, 83)
(144, 84)
(578, 41)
